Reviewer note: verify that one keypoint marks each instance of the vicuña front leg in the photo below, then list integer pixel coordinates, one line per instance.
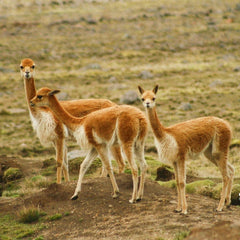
(60, 156)
(92, 154)
(179, 203)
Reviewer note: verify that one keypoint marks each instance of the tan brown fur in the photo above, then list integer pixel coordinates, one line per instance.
(124, 126)
(58, 135)
(177, 143)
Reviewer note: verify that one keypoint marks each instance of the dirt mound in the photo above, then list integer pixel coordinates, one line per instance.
(96, 215)
(221, 231)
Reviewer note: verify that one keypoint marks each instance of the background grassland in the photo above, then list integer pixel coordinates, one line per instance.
(101, 49)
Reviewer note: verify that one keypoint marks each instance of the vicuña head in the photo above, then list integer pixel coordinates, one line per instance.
(148, 97)
(42, 97)
(27, 68)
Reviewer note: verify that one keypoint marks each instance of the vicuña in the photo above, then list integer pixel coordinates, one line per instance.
(175, 144)
(124, 126)
(50, 130)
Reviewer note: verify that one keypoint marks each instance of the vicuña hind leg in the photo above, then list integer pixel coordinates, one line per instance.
(117, 155)
(92, 154)
(222, 164)
(139, 152)
(229, 187)
(128, 150)
(103, 152)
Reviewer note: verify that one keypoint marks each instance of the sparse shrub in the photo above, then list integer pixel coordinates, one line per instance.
(55, 217)
(12, 174)
(216, 191)
(170, 184)
(49, 162)
(51, 170)
(235, 194)
(74, 165)
(198, 185)
(38, 181)
(181, 235)
(29, 215)
(39, 238)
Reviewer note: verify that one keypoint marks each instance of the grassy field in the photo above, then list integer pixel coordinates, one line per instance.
(103, 49)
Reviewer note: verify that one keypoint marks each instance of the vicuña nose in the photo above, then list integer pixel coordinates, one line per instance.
(31, 104)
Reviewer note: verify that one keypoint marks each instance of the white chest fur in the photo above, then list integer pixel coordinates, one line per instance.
(44, 125)
(167, 149)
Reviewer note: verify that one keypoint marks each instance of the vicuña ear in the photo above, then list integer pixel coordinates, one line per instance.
(53, 92)
(141, 90)
(155, 89)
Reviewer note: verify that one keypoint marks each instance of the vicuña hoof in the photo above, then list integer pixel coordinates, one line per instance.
(132, 201)
(139, 199)
(74, 197)
(115, 195)
(177, 211)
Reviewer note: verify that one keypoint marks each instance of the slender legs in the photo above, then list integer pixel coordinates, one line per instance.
(117, 155)
(104, 155)
(180, 176)
(61, 158)
(92, 154)
(139, 151)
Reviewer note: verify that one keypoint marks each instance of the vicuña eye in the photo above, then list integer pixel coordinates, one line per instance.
(33, 67)
(143, 99)
(21, 67)
(153, 99)
(39, 97)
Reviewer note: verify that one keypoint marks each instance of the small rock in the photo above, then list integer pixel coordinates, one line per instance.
(16, 110)
(215, 84)
(91, 21)
(112, 79)
(127, 36)
(117, 86)
(145, 75)
(236, 69)
(6, 70)
(129, 97)
(93, 66)
(185, 106)
(237, 8)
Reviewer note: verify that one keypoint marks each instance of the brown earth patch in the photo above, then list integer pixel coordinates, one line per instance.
(96, 215)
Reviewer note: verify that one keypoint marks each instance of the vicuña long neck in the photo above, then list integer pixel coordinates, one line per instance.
(70, 121)
(30, 90)
(156, 125)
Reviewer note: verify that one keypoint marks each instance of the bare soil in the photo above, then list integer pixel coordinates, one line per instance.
(96, 215)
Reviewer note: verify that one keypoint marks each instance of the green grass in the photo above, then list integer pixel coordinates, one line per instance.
(30, 215)
(181, 235)
(55, 217)
(12, 229)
